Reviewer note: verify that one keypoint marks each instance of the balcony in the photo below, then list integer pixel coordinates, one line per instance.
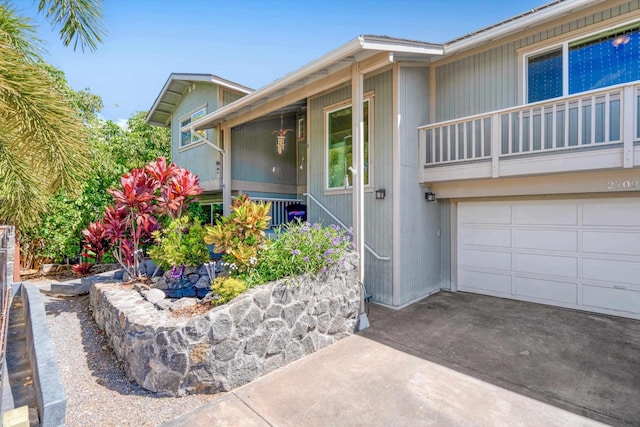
(589, 131)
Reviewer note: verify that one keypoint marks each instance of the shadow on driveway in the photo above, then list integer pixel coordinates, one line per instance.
(585, 363)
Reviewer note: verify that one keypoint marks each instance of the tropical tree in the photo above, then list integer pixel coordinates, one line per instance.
(43, 141)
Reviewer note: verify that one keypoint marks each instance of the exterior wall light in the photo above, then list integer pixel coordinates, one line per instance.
(380, 193)
(429, 196)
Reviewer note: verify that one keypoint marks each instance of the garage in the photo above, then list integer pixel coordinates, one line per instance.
(580, 253)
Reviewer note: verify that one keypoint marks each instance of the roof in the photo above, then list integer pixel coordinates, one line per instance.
(176, 86)
(528, 19)
(338, 60)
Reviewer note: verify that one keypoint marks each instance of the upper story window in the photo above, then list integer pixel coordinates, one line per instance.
(604, 59)
(186, 136)
(340, 145)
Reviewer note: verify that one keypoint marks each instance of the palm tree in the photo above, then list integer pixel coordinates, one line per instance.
(43, 142)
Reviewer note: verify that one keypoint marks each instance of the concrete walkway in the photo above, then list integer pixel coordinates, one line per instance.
(358, 381)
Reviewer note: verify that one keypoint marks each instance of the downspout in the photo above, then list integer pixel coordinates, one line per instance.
(357, 125)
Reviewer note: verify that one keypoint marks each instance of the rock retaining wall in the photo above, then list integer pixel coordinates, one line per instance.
(261, 330)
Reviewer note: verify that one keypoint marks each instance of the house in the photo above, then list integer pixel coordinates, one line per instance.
(504, 162)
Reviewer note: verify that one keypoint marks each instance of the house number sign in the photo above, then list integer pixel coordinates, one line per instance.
(626, 183)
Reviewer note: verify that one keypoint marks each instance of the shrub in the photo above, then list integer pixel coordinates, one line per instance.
(300, 248)
(181, 243)
(145, 199)
(226, 289)
(241, 234)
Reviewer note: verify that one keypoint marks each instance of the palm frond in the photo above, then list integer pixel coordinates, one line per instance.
(79, 21)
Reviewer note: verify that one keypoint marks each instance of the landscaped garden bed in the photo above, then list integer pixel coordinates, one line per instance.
(195, 326)
(232, 344)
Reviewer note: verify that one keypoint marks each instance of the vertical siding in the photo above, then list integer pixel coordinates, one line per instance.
(445, 244)
(254, 156)
(228, 97)
(378, 213)
(488, 80)
(202, 159)
(419, 257)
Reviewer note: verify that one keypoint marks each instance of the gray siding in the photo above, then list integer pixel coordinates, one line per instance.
(202, 159)
(229, 97)
(254, 156)
(419, 221)
(488, 80)
(378, 213)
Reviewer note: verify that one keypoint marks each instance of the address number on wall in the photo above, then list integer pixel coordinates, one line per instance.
(627, 183)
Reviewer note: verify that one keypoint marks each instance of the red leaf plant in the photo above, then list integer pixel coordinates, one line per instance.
(145, 194)
(96, 240)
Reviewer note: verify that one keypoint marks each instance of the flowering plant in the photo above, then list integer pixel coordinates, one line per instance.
(299, 248)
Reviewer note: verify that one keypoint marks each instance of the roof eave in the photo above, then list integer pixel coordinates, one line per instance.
(364, 42)
(513, 25)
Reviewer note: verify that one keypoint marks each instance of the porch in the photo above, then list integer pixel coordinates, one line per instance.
(595, 130)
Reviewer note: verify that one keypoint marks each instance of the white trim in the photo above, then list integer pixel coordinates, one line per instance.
(189, 128)
(368, 97)
(563, 43)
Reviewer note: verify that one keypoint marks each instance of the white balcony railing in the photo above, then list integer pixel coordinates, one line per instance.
(600, 118)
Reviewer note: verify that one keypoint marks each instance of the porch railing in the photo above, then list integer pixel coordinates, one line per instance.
(278, 211)
(586, 120)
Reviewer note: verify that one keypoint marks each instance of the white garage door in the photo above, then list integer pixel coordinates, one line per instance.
(581, 254)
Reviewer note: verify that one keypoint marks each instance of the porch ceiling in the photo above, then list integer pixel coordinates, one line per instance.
(334, 68)
(176, 86)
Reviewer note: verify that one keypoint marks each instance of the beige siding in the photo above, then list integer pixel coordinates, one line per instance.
(200, 159)
(488, 80)
(378, 213)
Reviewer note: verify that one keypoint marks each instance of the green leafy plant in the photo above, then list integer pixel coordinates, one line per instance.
(300, 248)
(180, 243)
(226, 288)
(241, 234)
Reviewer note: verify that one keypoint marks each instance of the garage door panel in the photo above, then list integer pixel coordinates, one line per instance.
(626, 272)
(550, 290)
(487, 259)
(486, 237)
(612, 213)
(561, 214)
(611, 242)
(611, 298)
(481, 281)
(547, 264)
(478, 214)
(547, 240)
(576, 253)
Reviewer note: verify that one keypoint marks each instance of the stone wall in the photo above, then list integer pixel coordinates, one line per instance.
(231, 345)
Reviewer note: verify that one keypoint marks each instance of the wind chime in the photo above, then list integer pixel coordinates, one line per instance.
(281, 135)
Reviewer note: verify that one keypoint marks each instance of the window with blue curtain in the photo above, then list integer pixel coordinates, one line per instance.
(544, 76)
(605, 60)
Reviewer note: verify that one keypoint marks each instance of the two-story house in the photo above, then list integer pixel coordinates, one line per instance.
(504, 162)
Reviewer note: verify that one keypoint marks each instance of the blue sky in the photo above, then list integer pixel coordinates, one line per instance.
(249, 42)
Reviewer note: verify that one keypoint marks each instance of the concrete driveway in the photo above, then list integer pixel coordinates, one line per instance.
(586, 363)
(452, 359)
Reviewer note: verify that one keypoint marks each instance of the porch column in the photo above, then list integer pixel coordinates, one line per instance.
(357, 125)
(226, 170)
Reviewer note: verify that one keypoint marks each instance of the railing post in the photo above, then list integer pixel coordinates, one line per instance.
(495, 146)
(627, 125)
(422, 151)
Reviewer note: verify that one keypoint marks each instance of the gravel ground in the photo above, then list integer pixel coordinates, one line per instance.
(98, 391)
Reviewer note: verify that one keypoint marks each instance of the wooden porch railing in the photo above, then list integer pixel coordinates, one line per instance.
(591, 119)
(278, 211)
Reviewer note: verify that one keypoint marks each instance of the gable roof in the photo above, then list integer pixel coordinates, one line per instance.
(176, 86)
(303, 80)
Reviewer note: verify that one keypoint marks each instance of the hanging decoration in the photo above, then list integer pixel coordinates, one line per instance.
(281, 135)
